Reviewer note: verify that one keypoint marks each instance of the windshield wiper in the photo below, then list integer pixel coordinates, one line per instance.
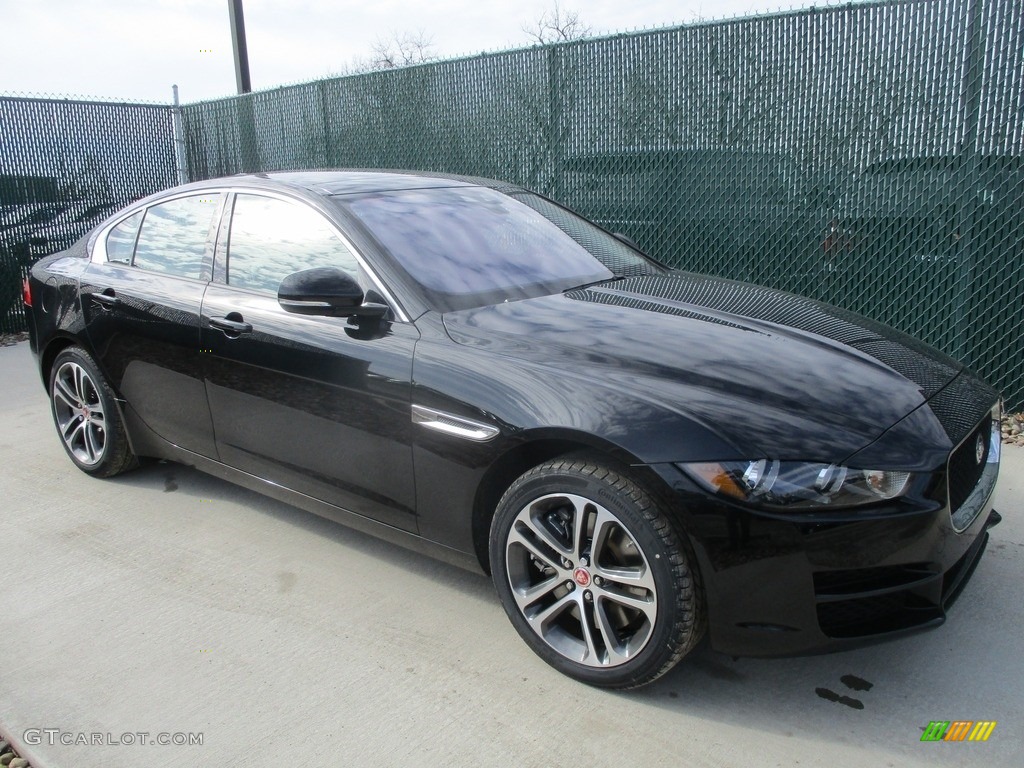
(612, 279)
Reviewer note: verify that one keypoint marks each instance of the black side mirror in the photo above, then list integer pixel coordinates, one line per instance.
(325, 291)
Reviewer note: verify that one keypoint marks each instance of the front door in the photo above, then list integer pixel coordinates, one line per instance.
(315, 404)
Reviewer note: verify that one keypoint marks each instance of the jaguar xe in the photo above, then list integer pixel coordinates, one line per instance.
(638, 456)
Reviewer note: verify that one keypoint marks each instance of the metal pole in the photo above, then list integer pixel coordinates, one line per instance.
(247, 145)
(239, 47)
(179, 138)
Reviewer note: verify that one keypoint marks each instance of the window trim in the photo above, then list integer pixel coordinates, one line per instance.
(99, 251)
(135, 241)
(223, 240)
(98, 254)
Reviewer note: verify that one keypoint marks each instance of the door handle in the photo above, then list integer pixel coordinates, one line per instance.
(106, 300)
(232, 327)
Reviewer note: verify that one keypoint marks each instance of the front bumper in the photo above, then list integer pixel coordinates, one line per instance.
(783, 585)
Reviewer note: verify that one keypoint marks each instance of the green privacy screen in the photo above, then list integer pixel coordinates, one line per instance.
(866, 155)
(64, 167)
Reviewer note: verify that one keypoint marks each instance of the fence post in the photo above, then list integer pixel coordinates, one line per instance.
(179, 139)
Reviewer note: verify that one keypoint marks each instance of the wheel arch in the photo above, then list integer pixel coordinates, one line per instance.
(536, 448)
(54, 347)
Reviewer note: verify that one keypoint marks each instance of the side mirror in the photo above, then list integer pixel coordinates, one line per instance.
(325, 291)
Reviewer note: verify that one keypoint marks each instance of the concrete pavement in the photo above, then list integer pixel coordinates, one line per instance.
(168, 602)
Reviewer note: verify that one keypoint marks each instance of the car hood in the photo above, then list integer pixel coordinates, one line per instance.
(771, 373)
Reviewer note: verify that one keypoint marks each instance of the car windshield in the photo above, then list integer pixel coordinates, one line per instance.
(471, 246)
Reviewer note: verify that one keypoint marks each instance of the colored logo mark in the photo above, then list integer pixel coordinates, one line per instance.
(958, 730)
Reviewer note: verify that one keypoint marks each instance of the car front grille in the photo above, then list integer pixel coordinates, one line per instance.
(971, 473)
(876, 615)
(966, 466)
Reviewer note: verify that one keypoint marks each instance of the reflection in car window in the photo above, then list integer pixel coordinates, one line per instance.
(270, 239)
(174, 234)
(469, 246)
(121, 240)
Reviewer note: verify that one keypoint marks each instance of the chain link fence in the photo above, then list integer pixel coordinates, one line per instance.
(65, 166)
(867, 155)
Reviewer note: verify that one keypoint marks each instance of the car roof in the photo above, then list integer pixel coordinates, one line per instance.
(331, 183)
(358, 181)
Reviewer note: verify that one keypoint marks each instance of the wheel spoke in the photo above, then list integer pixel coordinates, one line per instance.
(611, 640)
(62, 391)
(93, 443)
(603, 524)
(579, 522)
(69, 429)
(525, 518)
(593, 655)
(516, 537)
(542, 620)
(644, 605)
(79, 374)
(633, 576)
(628, 577)
(532, 594)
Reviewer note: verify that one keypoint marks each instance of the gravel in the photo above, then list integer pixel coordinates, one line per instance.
(9, 758)
(1013, 428)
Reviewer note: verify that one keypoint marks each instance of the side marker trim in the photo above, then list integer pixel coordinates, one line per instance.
(456, 426)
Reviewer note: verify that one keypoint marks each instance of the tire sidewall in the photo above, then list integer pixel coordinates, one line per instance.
(659, 648)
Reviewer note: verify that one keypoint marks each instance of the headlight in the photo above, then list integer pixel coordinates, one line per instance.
(794, 484)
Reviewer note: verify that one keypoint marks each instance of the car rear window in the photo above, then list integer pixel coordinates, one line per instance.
(174, 235)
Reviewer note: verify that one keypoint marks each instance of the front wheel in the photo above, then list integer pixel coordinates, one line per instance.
(86, 416)
(593, 575)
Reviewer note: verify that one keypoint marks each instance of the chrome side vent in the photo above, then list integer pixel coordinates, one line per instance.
(456, 426)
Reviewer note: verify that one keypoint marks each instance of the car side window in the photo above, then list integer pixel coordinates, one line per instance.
(272, 238)
(174, 234)
(121, 240)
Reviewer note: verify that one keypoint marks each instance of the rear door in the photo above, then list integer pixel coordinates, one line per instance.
(141, 297)
(320, 405)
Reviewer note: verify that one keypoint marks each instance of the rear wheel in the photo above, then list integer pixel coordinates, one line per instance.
(86, 416)
(593, 575)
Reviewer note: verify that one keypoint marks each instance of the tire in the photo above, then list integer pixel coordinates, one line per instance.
(86, 416)
(617, 606)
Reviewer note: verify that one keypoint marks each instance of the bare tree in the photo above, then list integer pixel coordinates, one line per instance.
(402, 50)
(556, 26)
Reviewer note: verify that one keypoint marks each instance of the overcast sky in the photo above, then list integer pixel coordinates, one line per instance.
(136, 49)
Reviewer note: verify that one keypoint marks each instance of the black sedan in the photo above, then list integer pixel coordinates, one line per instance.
(638, 456)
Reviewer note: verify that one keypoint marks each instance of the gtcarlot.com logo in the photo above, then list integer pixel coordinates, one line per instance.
(958, 730)
(52, 736)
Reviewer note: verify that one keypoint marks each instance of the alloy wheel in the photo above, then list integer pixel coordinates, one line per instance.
(581, 580)
(79, 413)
